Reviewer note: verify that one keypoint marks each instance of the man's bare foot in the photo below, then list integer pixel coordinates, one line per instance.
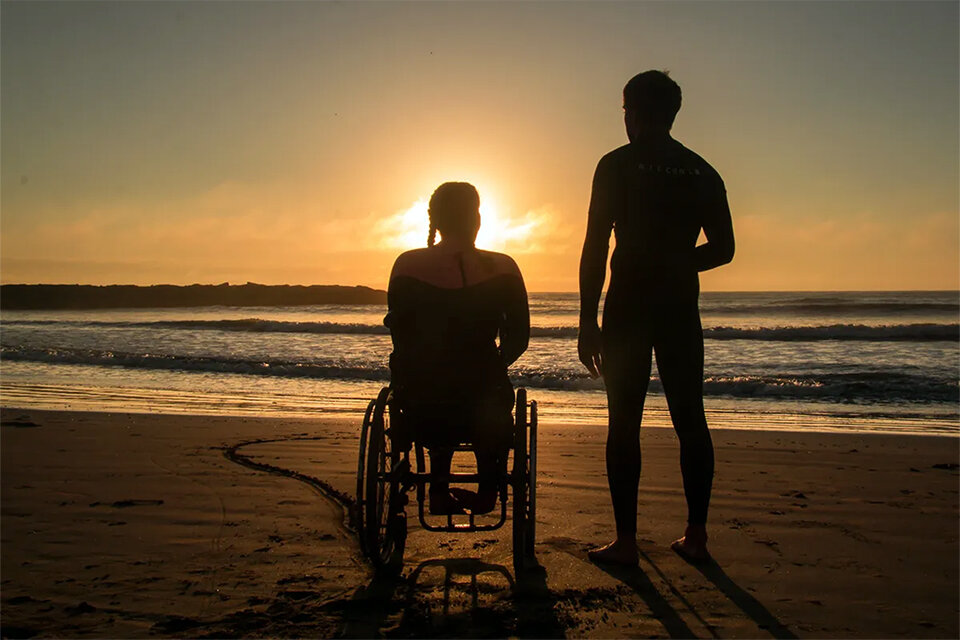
(693, 545)
(442, 503)
(617, 552)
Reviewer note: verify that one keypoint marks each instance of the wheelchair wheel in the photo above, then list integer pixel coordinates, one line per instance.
(524, 485)
(382, 524)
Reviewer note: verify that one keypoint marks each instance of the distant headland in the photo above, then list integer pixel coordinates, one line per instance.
(81, 296)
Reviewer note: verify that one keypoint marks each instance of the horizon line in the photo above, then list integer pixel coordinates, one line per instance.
(210, 284)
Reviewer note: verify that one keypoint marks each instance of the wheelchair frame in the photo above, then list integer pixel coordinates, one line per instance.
(385, 476)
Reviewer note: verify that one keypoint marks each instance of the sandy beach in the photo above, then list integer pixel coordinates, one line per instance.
(131, 525)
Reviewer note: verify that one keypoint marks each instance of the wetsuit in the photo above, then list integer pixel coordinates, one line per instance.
(448, 372)
(655, 195)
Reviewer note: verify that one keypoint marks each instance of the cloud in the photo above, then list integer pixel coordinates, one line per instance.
(536, 231)
(854, 252)
(241, 232)
(277, 233)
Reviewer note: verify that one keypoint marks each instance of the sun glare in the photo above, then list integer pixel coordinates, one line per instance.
(408, 229)
(495, 231)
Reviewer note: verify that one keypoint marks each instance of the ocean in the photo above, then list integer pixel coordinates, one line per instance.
(846, 361)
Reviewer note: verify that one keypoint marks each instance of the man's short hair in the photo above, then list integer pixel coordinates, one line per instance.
(654, 96)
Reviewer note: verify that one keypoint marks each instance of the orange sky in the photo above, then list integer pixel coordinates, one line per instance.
(297, 142)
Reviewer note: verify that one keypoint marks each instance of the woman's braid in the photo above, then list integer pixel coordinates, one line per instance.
(432, 235)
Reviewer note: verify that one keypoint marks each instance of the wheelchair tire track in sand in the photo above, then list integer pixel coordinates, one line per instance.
(343, 501)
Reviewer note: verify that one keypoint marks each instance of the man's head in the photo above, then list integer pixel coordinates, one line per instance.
(454, 212)
(651, 101)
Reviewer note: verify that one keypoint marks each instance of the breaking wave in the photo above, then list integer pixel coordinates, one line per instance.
(831, 306)
(921, 332)
(872, 386)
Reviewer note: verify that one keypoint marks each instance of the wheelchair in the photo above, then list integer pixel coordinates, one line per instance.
(385, 477)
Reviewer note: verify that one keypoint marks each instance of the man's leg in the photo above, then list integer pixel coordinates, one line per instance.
(679, 349)
(626, 372)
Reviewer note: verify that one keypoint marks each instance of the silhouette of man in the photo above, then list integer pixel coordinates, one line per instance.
(656, 195)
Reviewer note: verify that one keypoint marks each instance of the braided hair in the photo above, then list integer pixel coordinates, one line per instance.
(450, 206)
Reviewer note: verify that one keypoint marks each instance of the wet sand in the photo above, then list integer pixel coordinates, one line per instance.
(123, 525)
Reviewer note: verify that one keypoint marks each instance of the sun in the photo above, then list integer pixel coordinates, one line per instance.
(407, 229)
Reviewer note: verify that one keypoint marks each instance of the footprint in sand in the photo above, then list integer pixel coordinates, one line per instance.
(19, 422)
(123, 504)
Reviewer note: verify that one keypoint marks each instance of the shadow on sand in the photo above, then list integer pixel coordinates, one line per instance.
(661, 609)
(636, 579)
(433, 600)
(746, 602)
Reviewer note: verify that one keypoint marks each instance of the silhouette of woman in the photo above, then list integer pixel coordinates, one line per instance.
(448, 304)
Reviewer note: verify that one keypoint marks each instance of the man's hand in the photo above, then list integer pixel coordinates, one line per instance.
(589, 347)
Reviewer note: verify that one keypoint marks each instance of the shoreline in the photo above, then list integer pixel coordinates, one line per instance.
(723, 415)
(127, 525)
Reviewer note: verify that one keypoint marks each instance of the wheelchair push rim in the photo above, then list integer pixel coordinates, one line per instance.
(381, 521)
(358, 507)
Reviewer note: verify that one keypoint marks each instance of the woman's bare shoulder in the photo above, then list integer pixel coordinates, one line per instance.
(411, 263)
(501, 262)
(428, 265)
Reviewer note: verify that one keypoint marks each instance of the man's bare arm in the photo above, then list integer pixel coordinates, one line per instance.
(593, 267)
(718, 228)
(593, 272)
